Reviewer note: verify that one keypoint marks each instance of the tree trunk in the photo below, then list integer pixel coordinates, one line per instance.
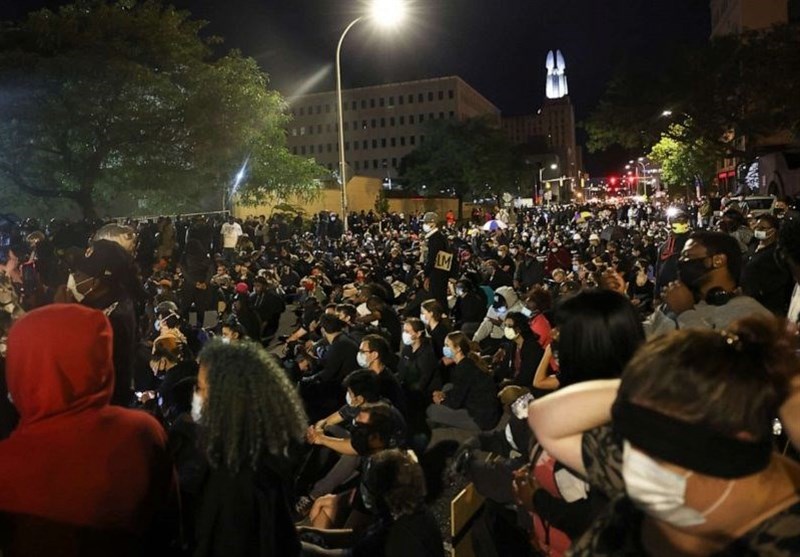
(85, 201)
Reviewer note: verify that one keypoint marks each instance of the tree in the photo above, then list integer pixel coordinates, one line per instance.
(465, 159)
(104, 100)
(735, 87)
(683, 163)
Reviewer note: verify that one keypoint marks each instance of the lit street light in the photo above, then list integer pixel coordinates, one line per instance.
(387, 14)
(553, 166)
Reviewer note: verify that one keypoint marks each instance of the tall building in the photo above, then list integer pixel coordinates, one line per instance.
(382, 124)
(552, 127)
(734, 16)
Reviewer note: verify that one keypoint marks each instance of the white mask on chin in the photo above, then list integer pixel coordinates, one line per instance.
(197, 407)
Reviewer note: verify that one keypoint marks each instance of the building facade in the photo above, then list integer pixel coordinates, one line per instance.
(382, 124)
(735, 16)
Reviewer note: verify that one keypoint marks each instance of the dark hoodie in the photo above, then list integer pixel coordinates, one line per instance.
(77, 476)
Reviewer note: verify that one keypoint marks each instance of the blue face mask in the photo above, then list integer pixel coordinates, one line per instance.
(448, 352)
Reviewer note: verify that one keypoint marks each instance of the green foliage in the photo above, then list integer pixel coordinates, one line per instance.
(681, 161)
(466, 159)
(382, 202)
(736, 86)
(106, 101)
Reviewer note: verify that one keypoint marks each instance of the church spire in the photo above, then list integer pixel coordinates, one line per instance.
(556, 87)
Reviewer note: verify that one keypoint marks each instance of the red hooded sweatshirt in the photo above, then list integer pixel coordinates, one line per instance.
(73, 460)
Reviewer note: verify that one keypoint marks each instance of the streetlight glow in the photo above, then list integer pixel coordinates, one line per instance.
(388, 13)
(554, 166)
(666, 113)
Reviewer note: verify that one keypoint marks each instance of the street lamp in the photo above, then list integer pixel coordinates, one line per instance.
(553, 166)
(385, 13)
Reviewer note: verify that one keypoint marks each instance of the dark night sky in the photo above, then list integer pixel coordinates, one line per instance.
(498, 46)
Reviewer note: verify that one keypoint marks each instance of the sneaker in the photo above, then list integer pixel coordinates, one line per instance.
(303, 507)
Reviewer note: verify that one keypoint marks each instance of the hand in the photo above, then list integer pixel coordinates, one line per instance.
(678, 297)
(524, 485)
(447, 361)
(313, 436)
(438, 397)
(499, 356)
(147, 395)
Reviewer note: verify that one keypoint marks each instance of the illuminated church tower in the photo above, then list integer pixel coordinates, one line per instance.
(556, 75)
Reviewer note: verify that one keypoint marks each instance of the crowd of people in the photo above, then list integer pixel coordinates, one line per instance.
(614, 379)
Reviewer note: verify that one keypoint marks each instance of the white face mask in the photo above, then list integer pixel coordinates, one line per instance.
(660, 492)
(424, 319)
(426, 228)
(510, 333)
(761, 234)
(348, 399)
(197, 407)
(407, 339)
(362, 360)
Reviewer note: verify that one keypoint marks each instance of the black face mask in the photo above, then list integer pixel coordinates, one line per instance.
(692, 271)
(359, 438)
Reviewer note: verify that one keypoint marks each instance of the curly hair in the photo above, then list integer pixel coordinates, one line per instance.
(251, 410)
(398, 479)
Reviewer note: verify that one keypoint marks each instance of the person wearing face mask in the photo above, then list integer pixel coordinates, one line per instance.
(689, 466)
(521, 353)
(505, 259)
(470, 307)
(418, 368)
(439, 260)
(490, 333)
(373, 354)
(530, 271)
(394, 490)
(437, 324)
(763, 277)
(707, 292)
(666, 270)
(251, 420)
(469, 401)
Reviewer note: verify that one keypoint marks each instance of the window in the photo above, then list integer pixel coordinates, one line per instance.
(430, 96)
(330, 147)
(374, 123)
(346, 126)
(420, 98)
(364, 103)
(319, 109)
(310, 149)
(441, 116)
(431, 116)
(328, 128)
(302, 130)
(383, 122)
(391, 101)
(346, 145)
(363, 124)
(344, 105)
(422, 139)
(450, 94)
(412, 140)
(383, 142)
(365, 144)
(410, 118)
(358, 165)
(402, 120)
(400, 99)
(303, 150)
(391, 121)
(394, 163)
(441, 95)
(375, 164)
(302, 111)
(355, 125)
(421, 118)
(294, 150)
(319, 148)
(328, 108)
(354, 106)
(355, 145)
(319, 128)
(374, 143)
(402, 141)
(393, 142)
(381, 102)
(452, 114)
(372, 103)
(310, 130)
(294, 131)
(365, 166)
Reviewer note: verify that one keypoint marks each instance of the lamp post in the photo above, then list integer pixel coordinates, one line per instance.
(386, 13)
(553, 166)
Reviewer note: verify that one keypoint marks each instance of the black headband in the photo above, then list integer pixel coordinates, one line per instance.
(689, 445)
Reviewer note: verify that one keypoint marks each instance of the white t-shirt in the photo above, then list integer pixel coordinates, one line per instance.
(230, 234)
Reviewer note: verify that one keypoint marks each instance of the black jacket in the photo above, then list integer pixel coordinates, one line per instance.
(418, 371)
(767, 282)
(474, 390)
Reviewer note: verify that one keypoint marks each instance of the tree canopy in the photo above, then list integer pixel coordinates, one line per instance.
(735, 87)
(683, 163)
(466, 159)
(107, 101)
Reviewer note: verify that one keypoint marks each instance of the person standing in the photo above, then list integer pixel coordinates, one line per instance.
(230, 232)
(439, 260)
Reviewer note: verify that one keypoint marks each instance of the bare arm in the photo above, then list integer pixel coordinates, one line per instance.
(541, 380)
(559, 420)
(790, 413)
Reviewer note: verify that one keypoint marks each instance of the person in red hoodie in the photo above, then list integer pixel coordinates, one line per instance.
(77, 476)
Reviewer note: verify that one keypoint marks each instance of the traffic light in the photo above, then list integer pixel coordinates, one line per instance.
(613, 181)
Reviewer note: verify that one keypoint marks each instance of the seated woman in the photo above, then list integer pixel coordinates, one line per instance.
(433, 316)
(521, 352)
(683, 445)
(418, 372)
(469, 401)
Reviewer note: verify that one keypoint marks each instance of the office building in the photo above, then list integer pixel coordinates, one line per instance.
(735, 16)
(382, 124)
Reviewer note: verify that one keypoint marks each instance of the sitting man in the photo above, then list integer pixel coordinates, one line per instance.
(706, 294)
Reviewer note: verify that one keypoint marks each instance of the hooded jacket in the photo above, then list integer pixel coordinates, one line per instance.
(487, 328)
(74, 463)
